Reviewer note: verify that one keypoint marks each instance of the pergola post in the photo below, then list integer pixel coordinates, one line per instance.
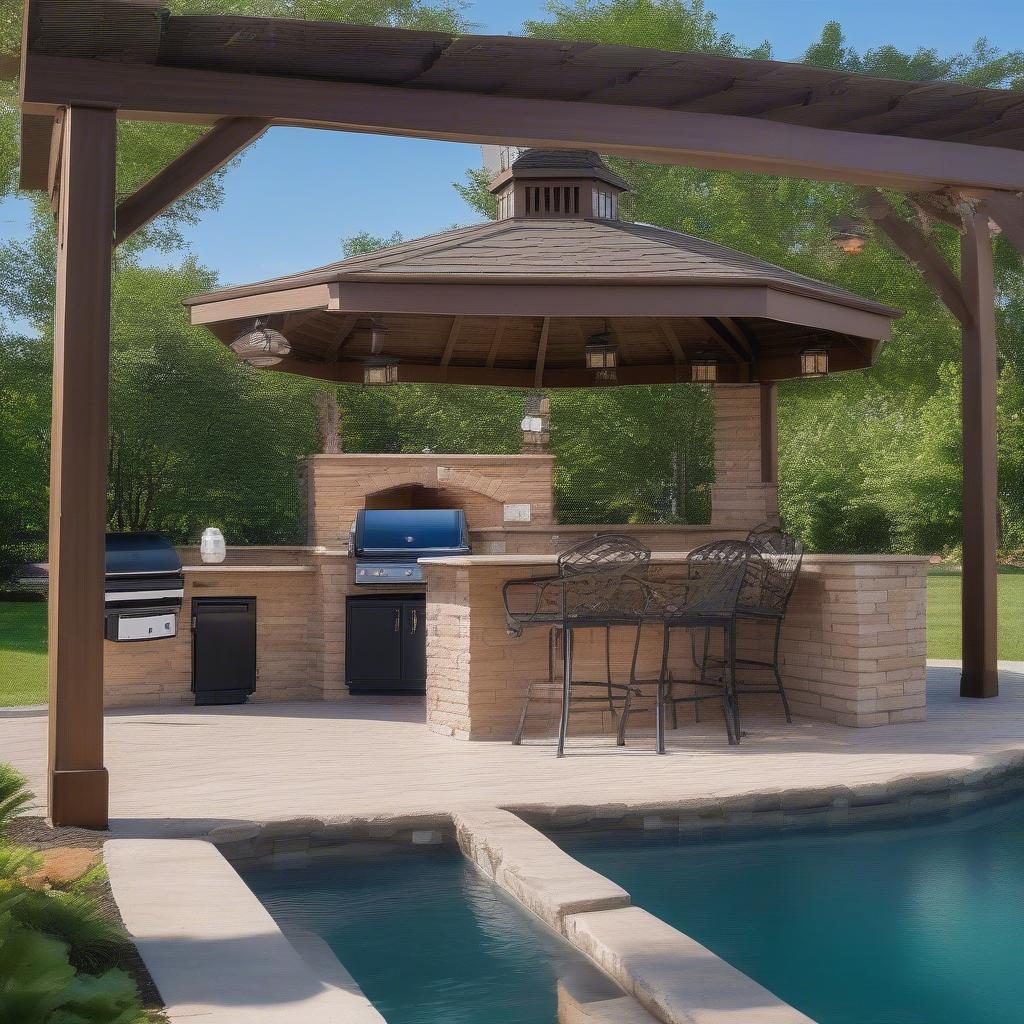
(980, 676)
(78, 466)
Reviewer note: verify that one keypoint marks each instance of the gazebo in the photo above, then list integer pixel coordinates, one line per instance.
(954, 150)
(557, 292)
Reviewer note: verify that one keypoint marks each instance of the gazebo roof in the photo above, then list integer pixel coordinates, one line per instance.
(513, 301)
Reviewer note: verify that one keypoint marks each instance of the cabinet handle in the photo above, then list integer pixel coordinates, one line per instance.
(398, 620)
(415, 621)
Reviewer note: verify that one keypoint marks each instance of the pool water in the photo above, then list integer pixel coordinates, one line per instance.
(922, 924)
(428, 938)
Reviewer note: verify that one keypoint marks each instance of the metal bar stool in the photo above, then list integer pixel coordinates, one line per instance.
(599, 585)
(764, 598)
(704, 597)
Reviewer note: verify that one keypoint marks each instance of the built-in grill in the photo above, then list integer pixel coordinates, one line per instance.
(387, 543)
(144, 587)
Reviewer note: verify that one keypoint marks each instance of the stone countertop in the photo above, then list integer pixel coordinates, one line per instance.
(664, 557)
(247, 568)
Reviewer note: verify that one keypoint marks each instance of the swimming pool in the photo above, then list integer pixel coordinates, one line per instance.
(428, 938)
(922, 924)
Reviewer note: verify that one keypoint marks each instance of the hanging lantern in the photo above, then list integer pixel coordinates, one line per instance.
(261, 345)
(379, 369)
(814, 362)
(602, 356)
(704, 368)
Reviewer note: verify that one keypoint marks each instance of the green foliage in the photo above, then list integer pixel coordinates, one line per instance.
(14, 796)
(868, 461)
(364, 242)
(38, 984)
(49, 938)
(663, 24)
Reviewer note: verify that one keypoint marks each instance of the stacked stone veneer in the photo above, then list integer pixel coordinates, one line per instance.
(288, 640)
(337, 486)
(739, 496)
(853, 649)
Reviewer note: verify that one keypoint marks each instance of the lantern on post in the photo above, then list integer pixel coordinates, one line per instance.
(602, 356)
(814, 362)
(704, 368)
(261, 345)
(379, 369)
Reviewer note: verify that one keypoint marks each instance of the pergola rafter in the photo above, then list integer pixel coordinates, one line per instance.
(694, 109)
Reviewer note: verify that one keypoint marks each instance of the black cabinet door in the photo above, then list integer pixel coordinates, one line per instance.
(385, 644)
(414, 645)
(223, 649)
(373, 647)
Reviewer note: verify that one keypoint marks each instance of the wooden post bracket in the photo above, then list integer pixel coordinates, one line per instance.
(920, 250)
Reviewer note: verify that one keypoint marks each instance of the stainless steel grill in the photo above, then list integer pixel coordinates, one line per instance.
(387, 543)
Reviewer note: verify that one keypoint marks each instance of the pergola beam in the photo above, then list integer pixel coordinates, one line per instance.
(722, 141)
(920, 250)
(204, 157)
(1007, 210)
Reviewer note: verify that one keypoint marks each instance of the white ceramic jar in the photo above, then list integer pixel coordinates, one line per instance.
(212, 548)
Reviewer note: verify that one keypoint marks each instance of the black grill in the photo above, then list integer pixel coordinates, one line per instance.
(388, 543)
(144, 587)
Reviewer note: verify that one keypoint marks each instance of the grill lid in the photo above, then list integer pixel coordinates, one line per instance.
(137, 554)
(410, 532)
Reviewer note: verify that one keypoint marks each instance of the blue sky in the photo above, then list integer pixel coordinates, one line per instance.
(297, 193)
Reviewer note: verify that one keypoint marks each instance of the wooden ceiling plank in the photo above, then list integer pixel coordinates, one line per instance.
(672, 341)
(499, 333)
(921, 251)
(293, 321)
(346, 329)
(542, 353)
(204, 157)
(453, 340)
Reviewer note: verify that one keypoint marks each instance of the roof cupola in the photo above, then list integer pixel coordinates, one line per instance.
(558, 184)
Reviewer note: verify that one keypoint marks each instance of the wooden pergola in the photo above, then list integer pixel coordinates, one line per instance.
(956, 151)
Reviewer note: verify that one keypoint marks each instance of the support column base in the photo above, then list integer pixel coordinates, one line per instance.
(979, 685)
(79, 798)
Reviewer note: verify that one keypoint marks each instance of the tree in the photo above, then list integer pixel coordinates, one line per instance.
(864, 421)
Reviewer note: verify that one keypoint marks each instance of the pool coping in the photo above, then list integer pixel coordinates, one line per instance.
(680, 983)
(177, 894)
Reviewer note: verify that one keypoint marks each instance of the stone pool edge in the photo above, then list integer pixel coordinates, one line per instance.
(590, 911)
(177, 894)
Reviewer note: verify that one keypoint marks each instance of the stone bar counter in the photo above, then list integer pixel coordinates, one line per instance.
(853, 646)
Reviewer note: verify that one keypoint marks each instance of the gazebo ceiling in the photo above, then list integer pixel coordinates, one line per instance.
(513, 302)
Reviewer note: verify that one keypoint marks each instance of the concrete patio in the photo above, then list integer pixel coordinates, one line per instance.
(183, 771)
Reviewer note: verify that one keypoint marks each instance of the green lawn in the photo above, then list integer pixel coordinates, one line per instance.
(22, 653)
(23, 633)
(944, 614)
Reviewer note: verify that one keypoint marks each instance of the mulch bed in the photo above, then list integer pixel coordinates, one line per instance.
(36, 834)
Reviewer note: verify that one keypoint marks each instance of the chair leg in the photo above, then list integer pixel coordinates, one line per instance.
(778, 675)
(730, 681)
(608, 668)
(703, 671)
(620, 738)
(563, 725)
(518, 738)
(659, 697)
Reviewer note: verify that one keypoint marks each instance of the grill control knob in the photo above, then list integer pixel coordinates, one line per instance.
(408, 572)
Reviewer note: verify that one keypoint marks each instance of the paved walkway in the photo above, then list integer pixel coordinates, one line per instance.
(178, 771)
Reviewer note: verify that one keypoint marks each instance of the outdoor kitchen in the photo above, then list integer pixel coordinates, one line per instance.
(400, 586)
(852, 645)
